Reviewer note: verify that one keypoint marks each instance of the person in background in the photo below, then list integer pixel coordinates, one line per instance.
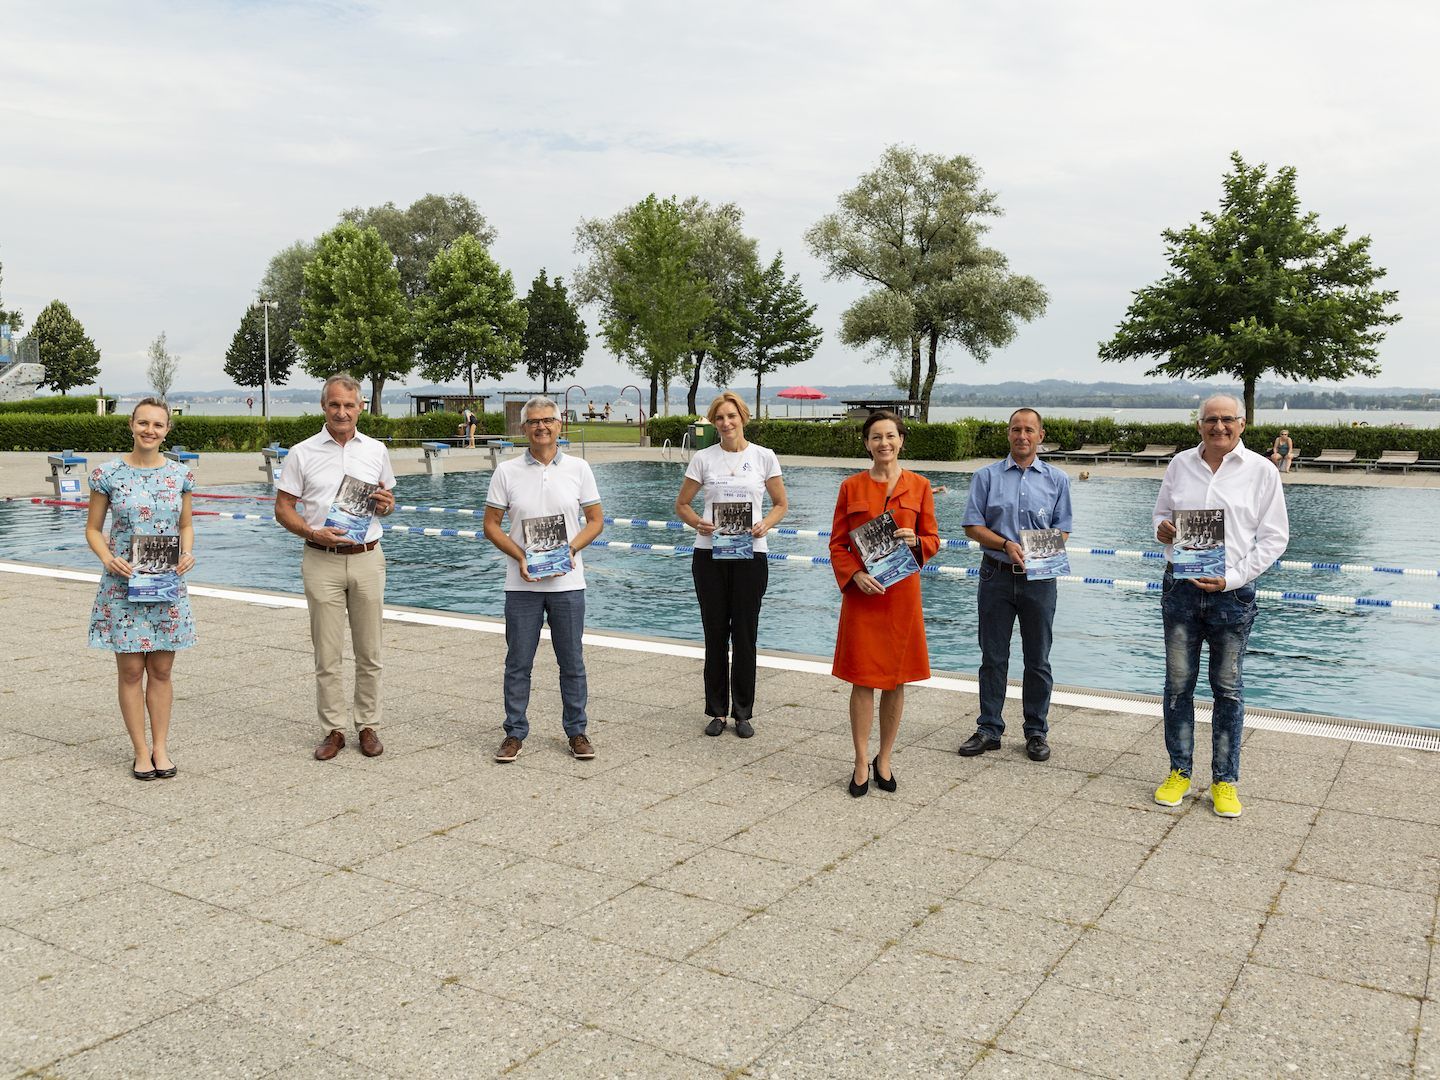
(1218, 612)
(1282, 450)
(145, 494)
(730, 591)
(468, 424)
(344, 581)
(880, 643)
(1020, 492)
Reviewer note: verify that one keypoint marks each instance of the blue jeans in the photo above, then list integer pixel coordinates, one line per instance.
(1222, 621)
(1004, 597)
(524, 613)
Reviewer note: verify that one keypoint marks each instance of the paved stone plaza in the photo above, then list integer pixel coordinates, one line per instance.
(681, 906)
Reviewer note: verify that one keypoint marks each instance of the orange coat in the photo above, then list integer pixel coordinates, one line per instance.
(881, 640)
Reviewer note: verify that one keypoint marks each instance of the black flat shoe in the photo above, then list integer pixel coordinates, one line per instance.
(165, 774)
(743, 729)
(978, 744)
(856, 790)
(880, 781)
(715, 726)
(148, 774)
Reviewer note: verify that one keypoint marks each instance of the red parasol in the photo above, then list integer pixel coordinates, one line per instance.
(802, 393)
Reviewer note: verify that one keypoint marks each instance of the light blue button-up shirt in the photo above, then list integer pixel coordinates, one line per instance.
(1006, 498)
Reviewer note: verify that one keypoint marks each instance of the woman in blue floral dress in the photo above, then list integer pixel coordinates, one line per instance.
(145, 495)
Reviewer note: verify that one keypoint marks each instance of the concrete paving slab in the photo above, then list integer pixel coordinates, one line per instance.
(834, 1044)
(787, 954)
(995, 938)
(1150, 915)
(843, 900)
(731, 877)
(1384, 960)
(1190, 979)
(607, 1056)
(658, 921)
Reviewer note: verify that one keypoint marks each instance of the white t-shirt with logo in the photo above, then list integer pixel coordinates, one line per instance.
(524, 488)
(722, 474)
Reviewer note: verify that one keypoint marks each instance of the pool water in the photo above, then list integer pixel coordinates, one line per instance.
(1371, 664)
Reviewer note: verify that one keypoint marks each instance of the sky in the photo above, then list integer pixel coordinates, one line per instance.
(156, 155)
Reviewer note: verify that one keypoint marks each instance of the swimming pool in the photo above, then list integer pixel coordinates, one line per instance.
(1367, 664)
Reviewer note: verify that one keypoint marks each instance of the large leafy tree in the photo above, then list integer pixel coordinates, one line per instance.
(641, 273)
(245, 359)
(421, 231)
(555, 334)
(353, 314)
(284, 283)
(61, 344)
(725, 258)
(911, 228)
(773, 327)
(1259, 287)
(163, 366)
(468, 318)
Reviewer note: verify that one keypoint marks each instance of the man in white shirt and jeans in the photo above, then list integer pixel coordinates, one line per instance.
(1219, 474)
(343, 580)
(542, 483)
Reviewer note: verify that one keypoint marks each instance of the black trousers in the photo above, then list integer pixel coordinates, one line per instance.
(730, 592)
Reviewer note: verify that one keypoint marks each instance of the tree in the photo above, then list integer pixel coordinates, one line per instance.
(468, 318)
(912, 227)
(773, 327)
(417, 234)
(245, 359)
(163, 365)
(14, 318)
(62, 346)
(642, 274)
(724, 259)
(555, 334)
(1258, 287)
(353, 315)
(284, 282)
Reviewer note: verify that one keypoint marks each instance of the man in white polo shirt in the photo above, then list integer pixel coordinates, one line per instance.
(542, 484)
(343, 580)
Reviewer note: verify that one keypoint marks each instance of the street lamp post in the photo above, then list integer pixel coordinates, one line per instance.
(266, 305)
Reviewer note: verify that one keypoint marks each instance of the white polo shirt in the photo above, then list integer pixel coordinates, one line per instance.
(718, 471)
(314, 469)
(524, 488)
(1248, 488)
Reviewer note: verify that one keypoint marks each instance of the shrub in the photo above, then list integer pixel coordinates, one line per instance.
(59, 403)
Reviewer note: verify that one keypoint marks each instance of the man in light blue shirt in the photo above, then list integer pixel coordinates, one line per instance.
(1021, 492)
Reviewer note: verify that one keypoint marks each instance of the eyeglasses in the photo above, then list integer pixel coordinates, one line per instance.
(544, 421)
(1213, 421)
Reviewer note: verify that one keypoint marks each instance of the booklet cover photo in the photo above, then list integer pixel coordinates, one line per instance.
(154, 569)
(547, 546)
(351, 511)
(1045, 554)
(1199, 547)
(732, 538)
(887, 558)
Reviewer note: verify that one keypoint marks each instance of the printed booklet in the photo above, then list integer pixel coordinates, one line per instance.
(352, 510)
(547, 546)
(154, 569)
(1199, 547)
(1045, 555)
(887, 558)
(734, 517)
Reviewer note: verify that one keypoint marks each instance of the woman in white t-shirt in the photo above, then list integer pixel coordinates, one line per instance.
(730, 566)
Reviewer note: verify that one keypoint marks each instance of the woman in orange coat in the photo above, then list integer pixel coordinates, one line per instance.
(881, 641)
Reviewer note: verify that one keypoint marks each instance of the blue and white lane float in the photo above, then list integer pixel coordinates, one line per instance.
(928, 570)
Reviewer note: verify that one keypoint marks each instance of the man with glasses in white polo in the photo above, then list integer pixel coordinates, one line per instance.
(537, 487)
(1219, 474)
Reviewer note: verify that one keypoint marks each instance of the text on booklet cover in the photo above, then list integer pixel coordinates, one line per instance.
(547, 546)
(1199, 546)
(154, 569)
(1045, 554)
(887, 558)
(352, 509)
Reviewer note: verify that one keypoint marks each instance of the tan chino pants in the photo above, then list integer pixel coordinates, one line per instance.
(341, 588)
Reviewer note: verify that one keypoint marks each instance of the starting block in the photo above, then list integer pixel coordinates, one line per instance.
(65, 486)
(434, 464)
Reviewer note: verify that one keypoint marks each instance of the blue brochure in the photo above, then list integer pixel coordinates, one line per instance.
(1199, 547)
(547, 546)
(351, 512)
(154, 569)
(734, 518)
(887, 558)
(1045, 555)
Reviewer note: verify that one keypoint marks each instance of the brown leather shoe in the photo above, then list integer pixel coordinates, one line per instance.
(581, 748)
(329, 746)
(509, 750)
(370, 743)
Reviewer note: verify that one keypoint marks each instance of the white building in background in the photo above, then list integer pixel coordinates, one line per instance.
(19, 379)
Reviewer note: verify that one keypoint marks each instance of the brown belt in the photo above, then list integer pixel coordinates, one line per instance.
(344, 549)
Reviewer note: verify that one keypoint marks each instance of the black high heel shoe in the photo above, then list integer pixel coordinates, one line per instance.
(856, 790)
(880, 781)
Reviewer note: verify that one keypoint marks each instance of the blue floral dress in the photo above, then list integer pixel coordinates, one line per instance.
(143, 501)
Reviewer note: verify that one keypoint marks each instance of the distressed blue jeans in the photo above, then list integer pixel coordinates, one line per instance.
(524, 613)
(1005, 598)
(1221, 621)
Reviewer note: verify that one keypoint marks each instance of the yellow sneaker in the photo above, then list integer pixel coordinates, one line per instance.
(1173, 791)
(1225, 799)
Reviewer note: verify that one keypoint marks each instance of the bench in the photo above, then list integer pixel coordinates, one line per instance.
(180, 454)
(1153, 452)
(65, 486)
(1403, 460)
(1088, 452)
(1333, 458)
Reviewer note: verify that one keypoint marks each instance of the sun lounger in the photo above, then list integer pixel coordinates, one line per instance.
(1048, 447)
(1333, 458)
(1156, 452)
(1088, 452)
(1396, 459)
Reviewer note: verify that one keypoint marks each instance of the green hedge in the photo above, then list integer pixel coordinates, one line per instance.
(58, 404)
